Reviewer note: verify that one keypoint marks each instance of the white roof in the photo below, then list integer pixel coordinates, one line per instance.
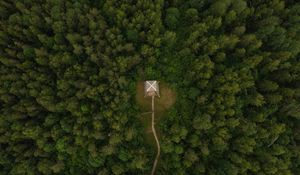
(151, 88)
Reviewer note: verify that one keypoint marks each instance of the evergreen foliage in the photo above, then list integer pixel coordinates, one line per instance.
(67, 85)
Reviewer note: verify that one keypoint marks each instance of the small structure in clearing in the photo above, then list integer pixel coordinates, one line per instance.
(151, 88)
(167, 99)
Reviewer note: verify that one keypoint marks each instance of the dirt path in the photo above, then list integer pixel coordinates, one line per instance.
(156, 139)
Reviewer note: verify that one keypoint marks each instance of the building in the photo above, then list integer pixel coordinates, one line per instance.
(151, 88)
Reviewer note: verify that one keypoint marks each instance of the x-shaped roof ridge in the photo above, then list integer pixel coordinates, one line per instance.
(151, 85)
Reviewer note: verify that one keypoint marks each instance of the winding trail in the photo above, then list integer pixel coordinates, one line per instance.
(156, 139)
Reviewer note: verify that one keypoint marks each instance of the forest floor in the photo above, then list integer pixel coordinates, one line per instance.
(165, 101)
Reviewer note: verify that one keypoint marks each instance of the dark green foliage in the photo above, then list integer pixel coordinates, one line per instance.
(132, 35)
(172, 17)
(66, 105)
(237, 89)
(67, 75)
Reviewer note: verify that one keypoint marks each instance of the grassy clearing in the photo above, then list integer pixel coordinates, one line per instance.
(165, 101)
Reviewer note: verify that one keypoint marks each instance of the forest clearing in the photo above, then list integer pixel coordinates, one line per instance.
(162, 104)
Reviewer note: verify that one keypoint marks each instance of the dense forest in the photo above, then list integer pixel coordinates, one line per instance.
(69, 70)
